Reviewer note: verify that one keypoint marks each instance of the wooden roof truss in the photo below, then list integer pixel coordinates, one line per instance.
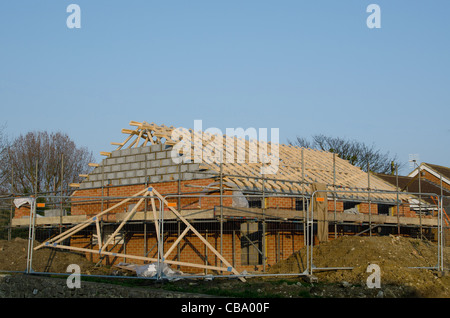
(146, 194)
(297, 167)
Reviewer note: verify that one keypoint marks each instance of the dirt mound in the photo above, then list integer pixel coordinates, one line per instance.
(394, 255)
(13, 257)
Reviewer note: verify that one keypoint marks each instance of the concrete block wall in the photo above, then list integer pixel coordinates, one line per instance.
(139, 165)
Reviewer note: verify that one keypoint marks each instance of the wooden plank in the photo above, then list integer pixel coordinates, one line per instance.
(135, 123)
(168, 215)
(155, 217)
(125, 141)
(79, 227)
(146, 140)
(99, 235)
(129, 131)
(68, 219)
(143, 258)
(130, 214)
(231, 268)
(138, 138)
(176, 242)
(132, 143)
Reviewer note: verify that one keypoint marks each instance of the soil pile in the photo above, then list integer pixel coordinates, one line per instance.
(13, 257)
(394, 255)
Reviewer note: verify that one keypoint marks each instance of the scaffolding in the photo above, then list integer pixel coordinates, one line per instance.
(344, 185)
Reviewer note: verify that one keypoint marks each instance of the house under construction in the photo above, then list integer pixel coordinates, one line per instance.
(150, 199)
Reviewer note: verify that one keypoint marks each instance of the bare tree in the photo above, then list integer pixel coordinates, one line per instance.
(357, 153)
(3, 146)
(44, 162)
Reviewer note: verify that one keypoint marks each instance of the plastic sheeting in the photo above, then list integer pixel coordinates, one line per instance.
(238, 198)
(21, 201)
(151, 270)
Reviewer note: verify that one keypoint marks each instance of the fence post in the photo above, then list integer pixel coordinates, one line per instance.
(441, 227)
(31, 235)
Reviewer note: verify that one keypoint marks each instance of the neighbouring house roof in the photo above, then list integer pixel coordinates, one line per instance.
(294, 171)
(435, 170)
(414, 185)
(444, 171)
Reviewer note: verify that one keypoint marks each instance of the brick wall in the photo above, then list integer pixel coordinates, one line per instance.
(23, 211)
(289, 204)
(339, 206)
(432, 178)
(404, 210)
(282, 239)
(280, 203)
(89, 201)
(91, 206)
(364, 208)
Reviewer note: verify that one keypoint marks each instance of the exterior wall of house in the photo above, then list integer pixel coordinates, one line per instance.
(281, 240)
(23, 211)
(434, 179)
(129, 171)
(84, 203)
(89, 202)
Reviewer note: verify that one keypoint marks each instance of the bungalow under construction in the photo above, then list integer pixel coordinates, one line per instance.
(150, 199)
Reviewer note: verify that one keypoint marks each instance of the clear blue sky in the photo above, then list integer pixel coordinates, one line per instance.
(305, 67)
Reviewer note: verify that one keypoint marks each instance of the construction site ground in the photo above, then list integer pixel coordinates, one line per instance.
(395, 256)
